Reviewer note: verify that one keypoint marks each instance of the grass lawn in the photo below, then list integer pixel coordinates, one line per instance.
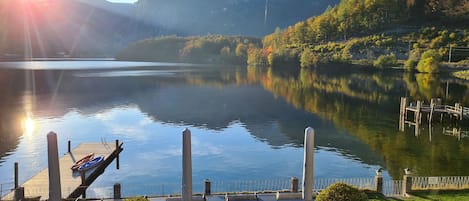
(432, 196)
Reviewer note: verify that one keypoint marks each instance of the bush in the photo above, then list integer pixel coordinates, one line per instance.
(137, 199)
(342, 192)
(429, 62)
(385, 60)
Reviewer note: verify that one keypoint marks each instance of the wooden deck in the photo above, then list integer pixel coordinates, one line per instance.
(71, 181)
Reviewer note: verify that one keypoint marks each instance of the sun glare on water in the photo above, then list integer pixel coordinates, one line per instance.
(28, 126)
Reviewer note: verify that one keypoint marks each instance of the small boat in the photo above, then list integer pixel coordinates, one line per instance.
(91, 164)
(83, 160)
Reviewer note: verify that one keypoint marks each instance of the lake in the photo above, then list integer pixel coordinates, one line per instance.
(247, 123)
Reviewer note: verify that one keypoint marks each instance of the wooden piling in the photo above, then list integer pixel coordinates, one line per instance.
(402, 113)
(69, 146)
(16, 175)
(117, 191)
(117, 157)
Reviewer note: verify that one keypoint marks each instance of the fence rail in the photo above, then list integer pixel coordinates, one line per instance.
(392, 188)
(435, 183)
(250, 186)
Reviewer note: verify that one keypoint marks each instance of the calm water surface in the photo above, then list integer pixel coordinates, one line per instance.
(247, 123)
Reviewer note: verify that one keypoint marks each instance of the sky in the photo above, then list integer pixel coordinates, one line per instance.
(123, 1)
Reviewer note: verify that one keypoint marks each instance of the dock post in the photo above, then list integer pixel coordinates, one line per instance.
(55, 191)
(418, 115)
(186, 166)
(208, 187)
(294, 184)
(117, 191)
(432, 109)
(117, 157)
(402, 113)
(308, 168)
(69, 146)
(16, 175)
(19, 194)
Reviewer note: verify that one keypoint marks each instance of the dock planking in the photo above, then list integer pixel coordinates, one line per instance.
(72, 184)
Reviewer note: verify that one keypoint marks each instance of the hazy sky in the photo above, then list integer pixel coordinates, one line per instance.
(123, 1)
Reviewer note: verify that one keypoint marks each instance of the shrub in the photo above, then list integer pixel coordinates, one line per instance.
(137, 199)
(342, 192)
(429, 62)
(385, 60)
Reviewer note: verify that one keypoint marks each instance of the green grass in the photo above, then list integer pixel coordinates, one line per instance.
(431, 196)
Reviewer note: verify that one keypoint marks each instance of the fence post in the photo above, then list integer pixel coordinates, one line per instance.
(117, 191)
(294, 184)
(208, 187)
(19, 194)
(407, 187)
(379, 180)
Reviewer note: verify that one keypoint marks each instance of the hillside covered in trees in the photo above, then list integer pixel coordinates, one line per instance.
(208, 49)
(363, 31)
(378, 33)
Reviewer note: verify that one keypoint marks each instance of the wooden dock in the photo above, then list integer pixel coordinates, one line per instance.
(435, 107)
(73, 183)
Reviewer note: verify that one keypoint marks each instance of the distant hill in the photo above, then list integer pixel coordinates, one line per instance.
(98, 28)
(77, 28)
(232, 17)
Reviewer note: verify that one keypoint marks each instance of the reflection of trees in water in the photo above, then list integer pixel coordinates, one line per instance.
(366, 105)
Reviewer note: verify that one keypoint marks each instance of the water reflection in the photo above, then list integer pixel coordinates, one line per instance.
(262, 110)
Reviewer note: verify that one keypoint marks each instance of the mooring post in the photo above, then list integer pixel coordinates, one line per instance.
(294, 184)
(418, 115)
(18, 194)
(407, 186)
(69, 146)
(208, 187)
(432, 109)
(117, 191)
(402, 113)
(308, 168)
(186, 166)
(55, 191)
(117, 157)
(16, 175)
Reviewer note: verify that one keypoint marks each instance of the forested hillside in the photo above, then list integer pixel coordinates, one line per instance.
(362, 31)
(208, 49)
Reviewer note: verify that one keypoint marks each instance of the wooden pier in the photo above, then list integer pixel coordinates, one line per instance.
(435, 107)
(73, 183)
